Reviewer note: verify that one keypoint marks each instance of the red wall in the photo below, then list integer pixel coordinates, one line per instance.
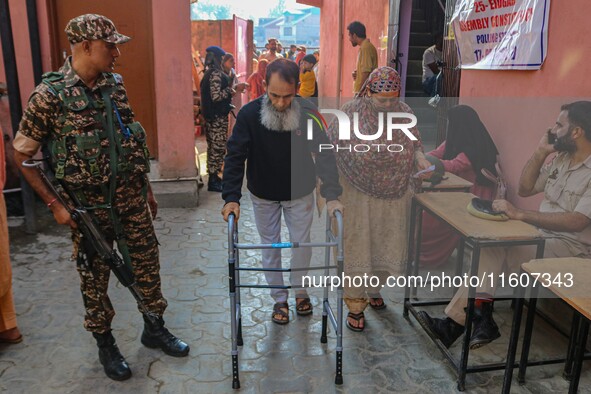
(373, 14)
(172, 65)
(174, 88)
(20, 33)
(207, 33)
(327, 68)
(518, 124)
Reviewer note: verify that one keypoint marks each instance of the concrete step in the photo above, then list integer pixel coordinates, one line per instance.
(418, 26)
(425, 121)
(415, 93)
(176, 194)
(423, 110)
(415, 67)
(418, 14)
(421, 39)
(415, 52)
(414, 82)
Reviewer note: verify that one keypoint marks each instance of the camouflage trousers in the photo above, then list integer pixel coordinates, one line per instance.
(136, 222)
(216, 136)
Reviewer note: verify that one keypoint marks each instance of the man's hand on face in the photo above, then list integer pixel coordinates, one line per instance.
(231, 207)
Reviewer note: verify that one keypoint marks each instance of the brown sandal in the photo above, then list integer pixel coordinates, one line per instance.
(304, 307)
(358, 317)
(378, 303)
(278, 310)
(4, 338)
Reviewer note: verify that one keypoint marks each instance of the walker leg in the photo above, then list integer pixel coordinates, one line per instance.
(235, 377)
(323, 338)
(234, 301)
(239, 341)
(339, 376)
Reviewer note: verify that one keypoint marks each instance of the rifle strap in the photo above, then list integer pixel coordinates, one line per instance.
(110, 195)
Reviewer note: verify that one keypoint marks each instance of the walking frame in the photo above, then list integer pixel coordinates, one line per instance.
(234, 267)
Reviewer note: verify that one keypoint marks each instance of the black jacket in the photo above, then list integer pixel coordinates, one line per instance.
(280, 163)
(216, 94)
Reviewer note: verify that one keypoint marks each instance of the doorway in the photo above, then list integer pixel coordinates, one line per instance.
(132, 18)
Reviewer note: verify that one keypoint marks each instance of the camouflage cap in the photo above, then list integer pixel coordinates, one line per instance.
(93, 27)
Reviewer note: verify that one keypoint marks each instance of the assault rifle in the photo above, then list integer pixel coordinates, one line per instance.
(93, 239)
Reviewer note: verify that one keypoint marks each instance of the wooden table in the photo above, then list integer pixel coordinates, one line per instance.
(477, 233)
(450, 182)
(570, 279)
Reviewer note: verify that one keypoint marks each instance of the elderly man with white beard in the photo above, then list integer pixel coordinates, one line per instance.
(271, 135)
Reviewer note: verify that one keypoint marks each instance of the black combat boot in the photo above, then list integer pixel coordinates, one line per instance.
(155, 335)
(446, 330)
(485, 329)
(113, 362)
(214, 184)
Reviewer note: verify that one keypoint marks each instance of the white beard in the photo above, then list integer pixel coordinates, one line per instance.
(288, 120)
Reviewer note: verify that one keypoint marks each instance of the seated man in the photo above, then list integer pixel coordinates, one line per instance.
(563, 220)
(431, 56)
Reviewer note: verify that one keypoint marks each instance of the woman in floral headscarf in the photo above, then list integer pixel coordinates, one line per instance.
(377, 190)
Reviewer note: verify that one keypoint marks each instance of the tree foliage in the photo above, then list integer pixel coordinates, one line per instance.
(278, 10)
(206, 10)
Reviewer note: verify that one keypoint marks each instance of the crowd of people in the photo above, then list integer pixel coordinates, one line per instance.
(82, 114)
(220, 86)
(376, 189)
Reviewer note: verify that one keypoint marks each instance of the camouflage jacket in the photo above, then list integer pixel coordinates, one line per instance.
(216, 94)
(72, 119)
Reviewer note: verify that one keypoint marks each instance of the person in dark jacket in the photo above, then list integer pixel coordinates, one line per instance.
(216, 103)
(271, 135)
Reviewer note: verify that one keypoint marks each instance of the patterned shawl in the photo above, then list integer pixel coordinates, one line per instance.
(382, 174)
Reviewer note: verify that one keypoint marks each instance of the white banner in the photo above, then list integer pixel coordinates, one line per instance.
(501, 34)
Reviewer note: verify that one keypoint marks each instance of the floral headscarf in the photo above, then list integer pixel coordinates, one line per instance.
(381, 80)
(380, 174)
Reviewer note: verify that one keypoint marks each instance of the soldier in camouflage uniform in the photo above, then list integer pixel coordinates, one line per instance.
(99, 152)
(216, 103)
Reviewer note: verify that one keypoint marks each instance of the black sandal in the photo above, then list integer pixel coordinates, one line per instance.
(377, 306)
(277, 310)
(304, 307)
(357, 317)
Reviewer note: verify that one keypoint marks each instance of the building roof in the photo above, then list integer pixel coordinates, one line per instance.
(299, 16)
(295, 21)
